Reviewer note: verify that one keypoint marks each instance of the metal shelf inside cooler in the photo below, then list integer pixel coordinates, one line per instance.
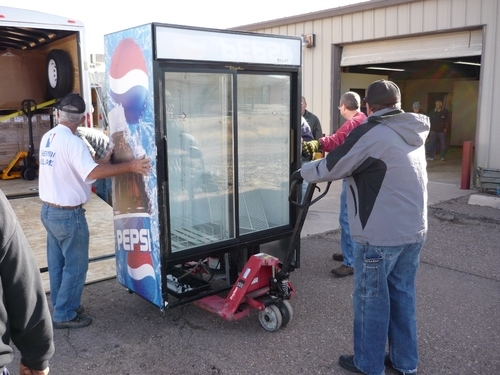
(184, 237)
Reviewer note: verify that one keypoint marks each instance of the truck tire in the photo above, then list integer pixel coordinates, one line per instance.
(59, 73)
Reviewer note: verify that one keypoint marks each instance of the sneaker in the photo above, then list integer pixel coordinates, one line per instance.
(343, 271)
(347, 362)
(430, 158)
(338, 256)
(442, 159)
(79, 321)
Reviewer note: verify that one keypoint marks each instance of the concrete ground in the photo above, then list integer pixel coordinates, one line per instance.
(458, 289)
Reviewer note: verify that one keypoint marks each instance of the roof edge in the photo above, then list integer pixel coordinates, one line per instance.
(28, 16)
(327, 13)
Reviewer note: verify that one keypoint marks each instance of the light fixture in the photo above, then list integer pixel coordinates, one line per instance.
(467, 63)
(382, 68)
(308, 40)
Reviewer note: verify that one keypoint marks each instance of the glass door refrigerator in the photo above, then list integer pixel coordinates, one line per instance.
(218, 114)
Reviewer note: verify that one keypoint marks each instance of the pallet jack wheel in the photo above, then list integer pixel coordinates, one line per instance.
(286, 312)
(270, 318)
(28, 174)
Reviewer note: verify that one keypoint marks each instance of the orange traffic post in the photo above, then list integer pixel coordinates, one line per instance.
(466, 165)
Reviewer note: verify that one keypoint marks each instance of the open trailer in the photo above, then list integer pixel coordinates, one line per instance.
(42, 58)
(218, 114)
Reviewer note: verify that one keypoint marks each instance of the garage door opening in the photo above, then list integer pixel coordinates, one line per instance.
(426, 68)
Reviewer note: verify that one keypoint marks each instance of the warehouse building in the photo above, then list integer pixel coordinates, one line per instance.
(433, 49)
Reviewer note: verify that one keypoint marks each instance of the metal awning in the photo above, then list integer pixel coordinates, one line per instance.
(422, 47)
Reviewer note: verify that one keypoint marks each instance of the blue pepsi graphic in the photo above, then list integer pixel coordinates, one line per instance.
(134, 255)
(128, 79)
(129, 64)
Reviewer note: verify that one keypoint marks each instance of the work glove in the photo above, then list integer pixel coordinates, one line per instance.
(311, 147)
(296, 176)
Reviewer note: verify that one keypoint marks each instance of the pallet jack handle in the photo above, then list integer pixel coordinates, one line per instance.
(308, 197)
(307, 202)
(28, 106)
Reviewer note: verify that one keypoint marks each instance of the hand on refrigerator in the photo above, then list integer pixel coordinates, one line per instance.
(141, 165)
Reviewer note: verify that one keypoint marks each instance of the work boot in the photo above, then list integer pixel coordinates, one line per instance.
(388, 363)
(338, 257)
(79, 321)
(347, 362)
(343, 271)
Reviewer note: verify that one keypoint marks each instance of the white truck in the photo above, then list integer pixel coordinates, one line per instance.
(42, 58)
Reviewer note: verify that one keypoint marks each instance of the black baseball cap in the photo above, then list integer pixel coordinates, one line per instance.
(71, 103)
(383, 92)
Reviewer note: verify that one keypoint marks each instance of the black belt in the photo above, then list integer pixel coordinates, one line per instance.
(63, 207)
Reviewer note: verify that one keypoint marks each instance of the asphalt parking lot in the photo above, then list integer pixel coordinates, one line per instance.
(458, 290)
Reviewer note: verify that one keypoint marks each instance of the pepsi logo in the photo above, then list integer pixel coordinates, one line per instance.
(128, 79)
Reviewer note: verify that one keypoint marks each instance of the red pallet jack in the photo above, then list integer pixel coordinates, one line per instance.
(263, 283)
(24, 164)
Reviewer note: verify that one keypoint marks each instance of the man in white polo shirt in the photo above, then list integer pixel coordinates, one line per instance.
(66, 173)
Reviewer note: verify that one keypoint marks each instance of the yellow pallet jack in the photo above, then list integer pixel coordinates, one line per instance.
(24, 164)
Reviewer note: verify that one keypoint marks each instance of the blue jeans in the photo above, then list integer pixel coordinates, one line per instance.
(67, 258)
(103, 188)
(304, 183)
(346, 242)
(432, 144)
(304, 188)
(384, 307)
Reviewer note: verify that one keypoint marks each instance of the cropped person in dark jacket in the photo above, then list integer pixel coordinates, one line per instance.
(24, 313)
(312, 120)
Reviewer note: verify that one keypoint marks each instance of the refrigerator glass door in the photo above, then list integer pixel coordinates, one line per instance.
(199, 132)
(263, 151)
(199, 109)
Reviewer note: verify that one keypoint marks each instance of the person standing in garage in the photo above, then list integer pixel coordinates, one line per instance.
(417, 108)
(440, 123)
(66, 174)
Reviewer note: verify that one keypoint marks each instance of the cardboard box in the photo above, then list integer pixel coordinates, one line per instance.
(14, 136)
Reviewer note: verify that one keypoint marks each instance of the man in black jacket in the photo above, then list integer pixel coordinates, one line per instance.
(312, 120)
(24, 313)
